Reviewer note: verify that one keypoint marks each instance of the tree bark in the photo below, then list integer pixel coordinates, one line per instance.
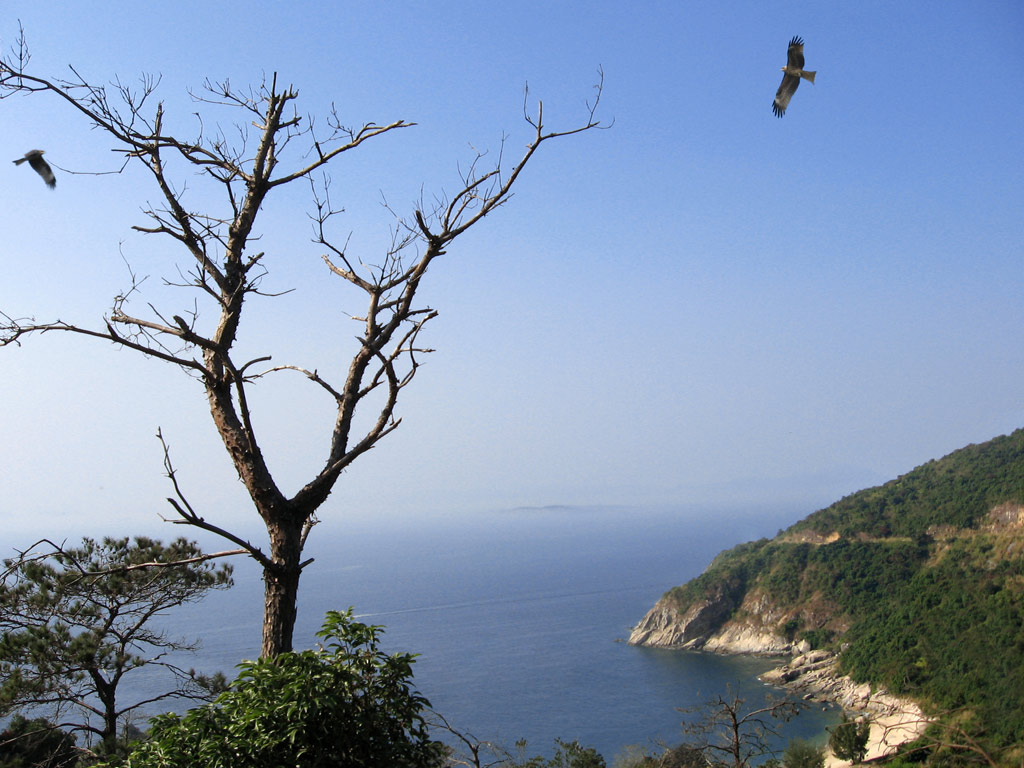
(281, 587)
(107, 695)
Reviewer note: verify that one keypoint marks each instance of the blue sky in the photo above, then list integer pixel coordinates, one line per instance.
(703, 303)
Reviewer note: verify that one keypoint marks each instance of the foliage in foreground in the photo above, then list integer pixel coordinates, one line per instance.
(345, 704)
(26, 743)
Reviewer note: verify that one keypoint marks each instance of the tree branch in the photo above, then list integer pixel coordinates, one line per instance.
(189, 516)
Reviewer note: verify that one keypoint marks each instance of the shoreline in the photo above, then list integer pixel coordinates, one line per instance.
(812, 675)
(815, 677)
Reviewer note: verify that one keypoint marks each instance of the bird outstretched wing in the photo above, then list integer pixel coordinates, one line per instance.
(784, 94)
(795, 53)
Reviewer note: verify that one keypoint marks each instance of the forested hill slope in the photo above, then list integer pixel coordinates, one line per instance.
(919, 582)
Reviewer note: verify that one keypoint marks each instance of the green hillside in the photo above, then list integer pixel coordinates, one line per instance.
(920, 583)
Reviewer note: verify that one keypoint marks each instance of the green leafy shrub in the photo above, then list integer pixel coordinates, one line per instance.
(343, 705)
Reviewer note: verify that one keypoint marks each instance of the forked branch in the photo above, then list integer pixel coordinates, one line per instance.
(188, 516)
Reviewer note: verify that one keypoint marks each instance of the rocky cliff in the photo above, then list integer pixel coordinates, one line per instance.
(714, 623)
(815, 676)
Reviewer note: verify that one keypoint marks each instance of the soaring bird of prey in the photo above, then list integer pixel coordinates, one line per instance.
(793, 71)
(40, 166)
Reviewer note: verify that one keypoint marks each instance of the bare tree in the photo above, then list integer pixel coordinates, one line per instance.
(469, 751)
(222, 272)
(728, 732)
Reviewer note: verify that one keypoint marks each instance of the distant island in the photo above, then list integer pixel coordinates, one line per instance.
(904, 598)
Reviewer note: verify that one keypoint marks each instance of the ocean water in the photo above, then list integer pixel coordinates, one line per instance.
(520, 617)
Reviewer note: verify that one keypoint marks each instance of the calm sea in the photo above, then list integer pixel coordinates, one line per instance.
(519, 617)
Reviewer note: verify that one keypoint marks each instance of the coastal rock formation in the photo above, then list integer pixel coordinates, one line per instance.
(815, 677)
(716, 623)
(812, 675)
(665, 627)
(749, 639)
(706, 625)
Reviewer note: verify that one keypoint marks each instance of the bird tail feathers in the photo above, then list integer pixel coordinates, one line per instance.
(808, 76)
(20, 160)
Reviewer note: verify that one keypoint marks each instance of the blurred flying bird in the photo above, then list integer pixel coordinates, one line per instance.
(793, 70)
(40, 166)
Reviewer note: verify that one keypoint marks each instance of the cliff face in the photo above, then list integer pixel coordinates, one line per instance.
(715, 623)
(664, 626)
